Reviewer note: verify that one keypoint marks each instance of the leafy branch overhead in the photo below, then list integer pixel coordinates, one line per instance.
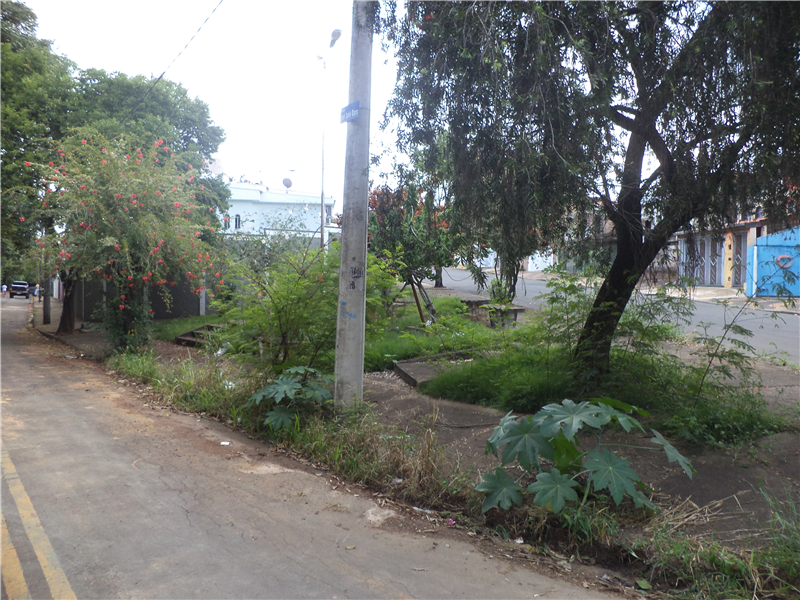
(600, 127)
(551, 435)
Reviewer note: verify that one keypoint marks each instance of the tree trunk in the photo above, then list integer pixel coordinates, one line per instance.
(66, 325)
(437, 281)
(594, 345)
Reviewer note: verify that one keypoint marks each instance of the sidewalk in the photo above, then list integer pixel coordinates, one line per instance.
(705, 294)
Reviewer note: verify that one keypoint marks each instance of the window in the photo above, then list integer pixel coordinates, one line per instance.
(328, 214)
(237, 222)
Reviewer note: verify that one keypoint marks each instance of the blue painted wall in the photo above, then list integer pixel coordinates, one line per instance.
(763, 265)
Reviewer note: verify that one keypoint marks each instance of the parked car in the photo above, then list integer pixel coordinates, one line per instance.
(19, 288)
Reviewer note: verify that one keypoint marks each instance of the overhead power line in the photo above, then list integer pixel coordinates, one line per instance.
(160, 77)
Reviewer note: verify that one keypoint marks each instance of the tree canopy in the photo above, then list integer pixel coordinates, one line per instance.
(128, 215)
(681, 114)
(45, 98)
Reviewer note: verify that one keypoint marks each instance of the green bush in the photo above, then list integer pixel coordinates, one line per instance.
(551, 435)
(286, 311)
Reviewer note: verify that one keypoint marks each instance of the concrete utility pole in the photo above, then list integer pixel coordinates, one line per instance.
(349, 371)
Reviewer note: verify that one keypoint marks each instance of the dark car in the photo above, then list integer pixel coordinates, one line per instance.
(19, 288)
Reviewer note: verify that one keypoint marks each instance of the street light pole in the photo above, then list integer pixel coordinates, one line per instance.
(349, 370)
(335, 35)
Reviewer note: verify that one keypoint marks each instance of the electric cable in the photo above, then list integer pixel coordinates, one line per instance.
(160, 77)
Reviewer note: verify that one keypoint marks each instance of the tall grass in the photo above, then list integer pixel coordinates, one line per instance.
(216, 387)
(403, 336)
(168, 330)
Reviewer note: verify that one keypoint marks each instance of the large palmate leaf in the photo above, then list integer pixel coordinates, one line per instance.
(672, 453)
(502, 490)
(627, 421)
(499, 432)
(317, 393)
(569, 417)
(620, 405)
(280, 417)
(283, 387)
(610, 471)
(566, 454)
(554, 489)
(524, 442)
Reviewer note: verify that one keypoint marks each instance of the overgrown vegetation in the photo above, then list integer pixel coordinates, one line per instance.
(712, 400)
(551, 435)
(168, 330)
(581, 498)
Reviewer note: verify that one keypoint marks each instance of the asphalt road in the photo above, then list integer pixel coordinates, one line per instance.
(774, 332)
(103, 497)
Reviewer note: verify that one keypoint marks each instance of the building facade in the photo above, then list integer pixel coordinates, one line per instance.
(255, 209)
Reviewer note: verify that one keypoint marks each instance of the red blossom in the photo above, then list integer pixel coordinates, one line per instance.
(22, 219)
(122, 307)
(27, 164)
(83, 142)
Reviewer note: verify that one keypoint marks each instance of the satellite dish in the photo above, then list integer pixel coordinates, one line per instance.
(287, 183)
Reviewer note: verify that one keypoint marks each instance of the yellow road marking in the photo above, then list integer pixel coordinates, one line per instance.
(13, 577)
(56, 579)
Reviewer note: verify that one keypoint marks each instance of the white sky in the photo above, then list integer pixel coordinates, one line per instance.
(254, 63)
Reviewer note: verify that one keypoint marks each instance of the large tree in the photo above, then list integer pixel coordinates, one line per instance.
(35, 86)
(45, 98)
(657, 115)
(127, 215)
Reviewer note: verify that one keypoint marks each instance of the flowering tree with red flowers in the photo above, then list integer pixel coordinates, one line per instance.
(409, 232)
(129, 216)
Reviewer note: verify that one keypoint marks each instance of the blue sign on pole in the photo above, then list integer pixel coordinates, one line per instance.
(350, 112)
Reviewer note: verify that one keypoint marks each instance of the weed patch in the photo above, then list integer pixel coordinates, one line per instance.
(168, 330)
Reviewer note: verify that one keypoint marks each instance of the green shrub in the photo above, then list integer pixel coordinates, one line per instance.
(551, 435)
(286, 312)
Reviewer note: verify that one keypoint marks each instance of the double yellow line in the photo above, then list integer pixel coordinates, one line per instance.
(12, 574)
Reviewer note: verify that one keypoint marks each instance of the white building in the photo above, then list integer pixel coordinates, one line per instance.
(255, 209)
